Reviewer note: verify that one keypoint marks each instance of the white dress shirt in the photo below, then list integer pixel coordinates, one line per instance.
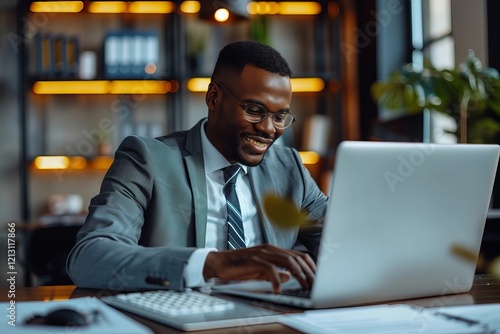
(216, 231)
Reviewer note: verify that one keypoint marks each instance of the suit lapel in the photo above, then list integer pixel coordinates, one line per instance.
(261, 185)
(193, 157)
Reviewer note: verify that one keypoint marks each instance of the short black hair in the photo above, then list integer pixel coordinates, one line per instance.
(239, 54)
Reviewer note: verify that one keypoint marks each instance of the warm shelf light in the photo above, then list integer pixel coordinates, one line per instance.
(71, 87)
(284, 8)
(151, 7)
(59, 162)
(198, 84)
(298, 84)
(139, 87)
(56, 6)
(55, 162)
(107, 7)
(101, 162)
(77, 163)
(190, 7)
(263, 7)
(309, 157)
(307, 84)
(102, 87)
(300, 8)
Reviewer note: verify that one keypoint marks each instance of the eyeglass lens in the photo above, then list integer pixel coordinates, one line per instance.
(256, 113)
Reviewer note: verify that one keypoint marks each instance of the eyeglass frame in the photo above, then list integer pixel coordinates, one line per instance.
(245, 106)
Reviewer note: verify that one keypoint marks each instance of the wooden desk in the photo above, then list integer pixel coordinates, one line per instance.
(485, 290)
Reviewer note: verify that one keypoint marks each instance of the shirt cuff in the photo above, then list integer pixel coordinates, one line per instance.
(193, 271)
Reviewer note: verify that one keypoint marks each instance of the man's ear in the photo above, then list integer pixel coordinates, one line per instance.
(211, 96)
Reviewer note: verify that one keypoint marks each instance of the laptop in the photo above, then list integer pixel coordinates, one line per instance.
(401, 217)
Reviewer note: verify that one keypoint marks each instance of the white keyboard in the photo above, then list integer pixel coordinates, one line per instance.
(169, 303)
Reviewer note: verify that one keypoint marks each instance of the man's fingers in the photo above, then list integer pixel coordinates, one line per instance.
(262, 262)
(293, 262)
(309, 274)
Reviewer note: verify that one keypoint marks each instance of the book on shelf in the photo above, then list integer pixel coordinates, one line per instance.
(56, 55)
(44, 54)
(128, 53)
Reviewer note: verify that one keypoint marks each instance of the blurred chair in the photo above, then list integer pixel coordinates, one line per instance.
(46, 251)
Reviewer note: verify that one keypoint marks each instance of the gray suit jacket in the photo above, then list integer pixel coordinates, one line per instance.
(151, 212)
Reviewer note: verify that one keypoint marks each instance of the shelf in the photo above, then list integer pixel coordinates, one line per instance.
(61, 162)
(167, 7)
(311, 85)
(105, 87)
(61, 108)
(103, 7)
(148, 86)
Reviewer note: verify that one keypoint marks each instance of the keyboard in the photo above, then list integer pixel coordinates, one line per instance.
(190, 310)
(297, 292)
(168, 303)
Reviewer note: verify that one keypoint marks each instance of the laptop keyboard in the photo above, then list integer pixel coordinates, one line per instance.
(169, 303)
(296, 292)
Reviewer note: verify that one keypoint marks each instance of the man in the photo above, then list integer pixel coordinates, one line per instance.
(161, 216)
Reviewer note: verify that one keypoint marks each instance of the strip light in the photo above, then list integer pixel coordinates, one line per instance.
(101, 162)
(151, 7)
(302, 85)
(108, 7)
(104, 7)
(45, 162)
(284, 8)
(71, 87)
(59, 162)
(190, 7)
(309, 157)
(164, 7)
(198, 84)
(56, 6)
(139, 87)
(103, 87)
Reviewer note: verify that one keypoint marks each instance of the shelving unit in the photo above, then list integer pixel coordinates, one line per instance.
(66, 117)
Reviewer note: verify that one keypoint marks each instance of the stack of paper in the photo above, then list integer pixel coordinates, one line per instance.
(396, 319)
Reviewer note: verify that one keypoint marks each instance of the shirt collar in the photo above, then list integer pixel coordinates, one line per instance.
(213, 160)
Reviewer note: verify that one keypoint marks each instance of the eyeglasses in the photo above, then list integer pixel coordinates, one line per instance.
(256, 113)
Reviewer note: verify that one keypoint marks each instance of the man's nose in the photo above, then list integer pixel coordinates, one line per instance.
(266, 125)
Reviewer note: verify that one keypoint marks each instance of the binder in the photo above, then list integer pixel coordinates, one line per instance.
(60, 56)
(127, 53)
(44, 54)
(72, 56)
(56, 55)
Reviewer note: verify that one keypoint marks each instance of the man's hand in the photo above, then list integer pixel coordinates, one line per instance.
(264, 262)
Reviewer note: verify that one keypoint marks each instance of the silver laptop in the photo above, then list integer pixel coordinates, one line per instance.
(400, 215)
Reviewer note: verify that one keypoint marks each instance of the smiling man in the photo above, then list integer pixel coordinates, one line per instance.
(178, 210)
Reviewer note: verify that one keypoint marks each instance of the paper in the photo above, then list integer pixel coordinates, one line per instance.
(112, 321)
(485, 313)
(378, 319)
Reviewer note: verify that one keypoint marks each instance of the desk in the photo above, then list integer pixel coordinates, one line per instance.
(485, 290)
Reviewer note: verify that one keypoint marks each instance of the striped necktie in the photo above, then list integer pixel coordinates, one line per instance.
(235, 233)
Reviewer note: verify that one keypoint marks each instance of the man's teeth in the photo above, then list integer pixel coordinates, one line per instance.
(256, 143)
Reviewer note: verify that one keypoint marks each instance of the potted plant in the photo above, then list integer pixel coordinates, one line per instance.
(469, 93)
